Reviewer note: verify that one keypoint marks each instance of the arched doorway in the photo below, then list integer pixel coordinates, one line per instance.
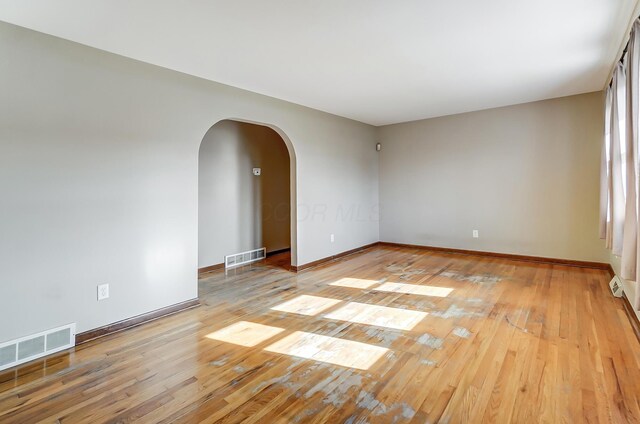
(246, 186)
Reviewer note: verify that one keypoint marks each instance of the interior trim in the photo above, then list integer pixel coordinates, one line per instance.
(210, 268)
(537, 259)
(633, 318)
(135, 321)
(275, 252)
(331, 258)
(628, 309)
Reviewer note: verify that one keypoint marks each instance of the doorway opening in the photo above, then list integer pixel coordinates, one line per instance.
(246, 191)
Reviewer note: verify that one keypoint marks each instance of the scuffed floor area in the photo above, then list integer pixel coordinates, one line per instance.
(390, 335)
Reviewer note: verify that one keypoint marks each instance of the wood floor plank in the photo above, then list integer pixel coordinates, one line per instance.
(391, 334)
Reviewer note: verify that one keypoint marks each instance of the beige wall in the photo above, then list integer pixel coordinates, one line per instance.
(238, 211)
(99, 180)
(525, 176)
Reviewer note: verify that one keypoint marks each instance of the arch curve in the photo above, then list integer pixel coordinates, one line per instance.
(292, 176)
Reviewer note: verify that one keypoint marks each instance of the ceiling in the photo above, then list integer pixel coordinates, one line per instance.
(374, 61)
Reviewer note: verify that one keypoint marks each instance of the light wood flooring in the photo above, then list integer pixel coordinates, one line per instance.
(391, 335)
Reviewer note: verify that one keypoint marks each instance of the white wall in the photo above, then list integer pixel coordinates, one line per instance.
(525, 176)
(99, 180)
(237, 210)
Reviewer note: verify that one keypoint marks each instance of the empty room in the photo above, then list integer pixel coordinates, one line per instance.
(319, 212)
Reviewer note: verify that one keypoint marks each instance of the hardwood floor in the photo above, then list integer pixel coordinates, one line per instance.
(391, 335)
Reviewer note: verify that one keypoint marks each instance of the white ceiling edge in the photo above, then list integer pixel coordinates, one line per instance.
(599, 90)
(193, 75)
(359, 90)
(461, 112)
(623, 42)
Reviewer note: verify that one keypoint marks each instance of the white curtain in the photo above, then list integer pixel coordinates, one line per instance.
(618, 180)
(630, 258)
(620, 164)
(633, 140)
(605, 173)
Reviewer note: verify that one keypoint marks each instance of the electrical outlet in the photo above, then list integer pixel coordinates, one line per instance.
(475, 234)
(333, 238)
(103, 291)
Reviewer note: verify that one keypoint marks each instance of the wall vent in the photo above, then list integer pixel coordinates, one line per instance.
(244, 258)
(25, 349)
(616, 286)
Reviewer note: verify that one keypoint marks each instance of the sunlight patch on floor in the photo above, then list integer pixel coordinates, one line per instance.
(381, 316)
(332, 350)
(355, 283)
(414, 289)
(306, 305)
(245, 333)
